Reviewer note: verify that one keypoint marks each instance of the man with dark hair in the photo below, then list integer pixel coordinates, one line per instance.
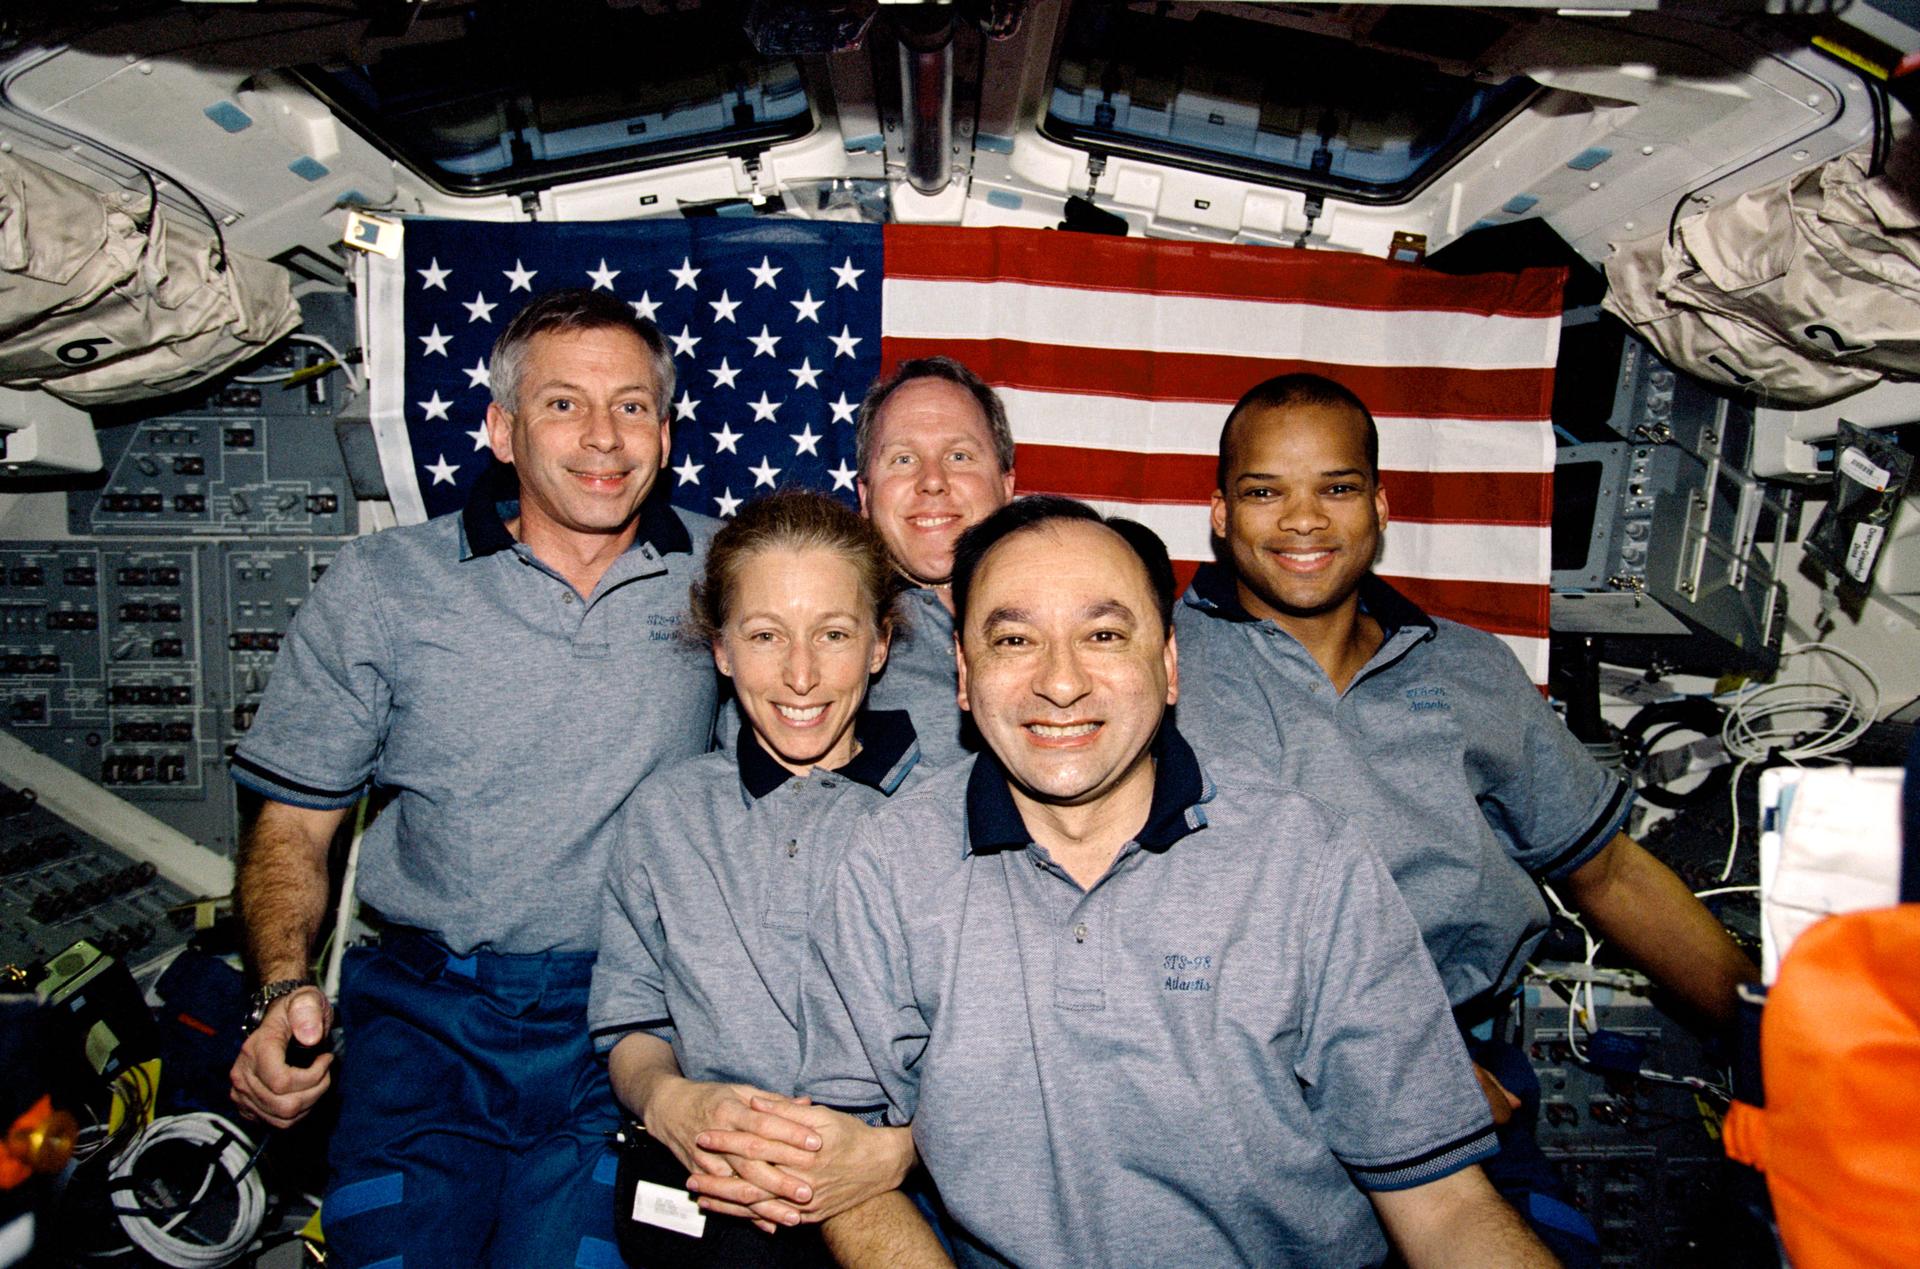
(935, 455)
(1140, 1006)
(1427, 732)
(507, 675)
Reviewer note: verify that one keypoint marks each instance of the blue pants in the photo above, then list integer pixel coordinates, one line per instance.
(474, 1117)
(1522, 1173)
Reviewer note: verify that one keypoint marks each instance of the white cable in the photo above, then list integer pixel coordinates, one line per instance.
(1761, 725)
(1589, 1019)
(349, 905)
(154, 1234)
(318, 341)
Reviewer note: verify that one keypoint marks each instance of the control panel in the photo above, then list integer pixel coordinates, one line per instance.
(58, 885)
(248, 459)
(1639, 1154)
(135, 651)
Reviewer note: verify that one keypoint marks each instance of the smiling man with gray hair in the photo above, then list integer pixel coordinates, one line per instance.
(507, 675)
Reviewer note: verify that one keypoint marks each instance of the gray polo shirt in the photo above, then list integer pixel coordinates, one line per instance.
(508, 715)
(715, 872)
(1441, 748)
(920, 678)
(1202, 1059)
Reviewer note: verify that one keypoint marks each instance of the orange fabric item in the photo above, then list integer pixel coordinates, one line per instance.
(1839, 1139)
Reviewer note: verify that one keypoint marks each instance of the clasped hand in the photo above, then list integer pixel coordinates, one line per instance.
(775, 1160)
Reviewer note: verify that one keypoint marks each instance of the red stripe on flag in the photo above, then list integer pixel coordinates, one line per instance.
(1091, 262)
(1512, 608)
(1447, 497)
(1410, 391)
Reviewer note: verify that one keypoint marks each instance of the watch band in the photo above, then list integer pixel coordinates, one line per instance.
(263, 998)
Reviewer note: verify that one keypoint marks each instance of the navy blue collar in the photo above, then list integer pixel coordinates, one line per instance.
(495, 498)
(888, 750)
(994, 822)
(1214, 586)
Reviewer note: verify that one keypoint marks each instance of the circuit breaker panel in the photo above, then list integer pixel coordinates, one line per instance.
(135, 651)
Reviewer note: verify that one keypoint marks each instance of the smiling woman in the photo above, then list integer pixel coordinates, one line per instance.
(796, 603)
(715, 873)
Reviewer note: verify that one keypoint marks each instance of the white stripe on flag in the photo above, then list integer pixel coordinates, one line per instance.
(1131, 425)
(1459, 552)
(1532, 653)
(384, 281)
(1070, 317)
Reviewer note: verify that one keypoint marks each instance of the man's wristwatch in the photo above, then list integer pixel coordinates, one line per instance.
(262, 1000)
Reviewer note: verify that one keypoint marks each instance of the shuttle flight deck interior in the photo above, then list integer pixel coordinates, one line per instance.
(1633, 291)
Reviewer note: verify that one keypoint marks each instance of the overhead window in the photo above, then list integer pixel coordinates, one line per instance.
(527, 96)
(1266, 103)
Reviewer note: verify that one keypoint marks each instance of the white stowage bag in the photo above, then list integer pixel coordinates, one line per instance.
(1803, 291)
(97, 308)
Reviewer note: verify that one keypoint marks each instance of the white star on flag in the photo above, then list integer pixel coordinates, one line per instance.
(519, 277)
(727, 502)
(433, 277)
(764, 409)
(723, 307)
(765, 274)
(847, 275)
(689, 471)
(764, 473)
(683, 342)
(843, 409)
(805, 442)
(684, 275)
(603, 276)
(478, 310)
(804, 375)
(479, 434)
(845, 342)
(479, 376)
(723, 440)
(842, 475)
(646, 306)
(443, 471)
(725, 375)
(807, 307)
(435, 342)
(685, 406)
(763, 342)
(435, 407)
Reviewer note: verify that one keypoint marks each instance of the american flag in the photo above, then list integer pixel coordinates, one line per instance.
(1118, 359)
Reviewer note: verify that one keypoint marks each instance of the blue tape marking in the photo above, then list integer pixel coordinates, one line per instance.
(364, 1196)
(1589, 158)
(746, 210)
(992, 144)
(598, 1253)
(864, 145)
(1005, 198)
(307, 168)
(465, 966)
(229, 116)
(1519, 203)
(605, 1170)
(1544, 1209)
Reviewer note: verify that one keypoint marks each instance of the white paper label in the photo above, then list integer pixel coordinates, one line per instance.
(669, 1209)
(365, 232)
(1855, 465)
(1864, 549)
